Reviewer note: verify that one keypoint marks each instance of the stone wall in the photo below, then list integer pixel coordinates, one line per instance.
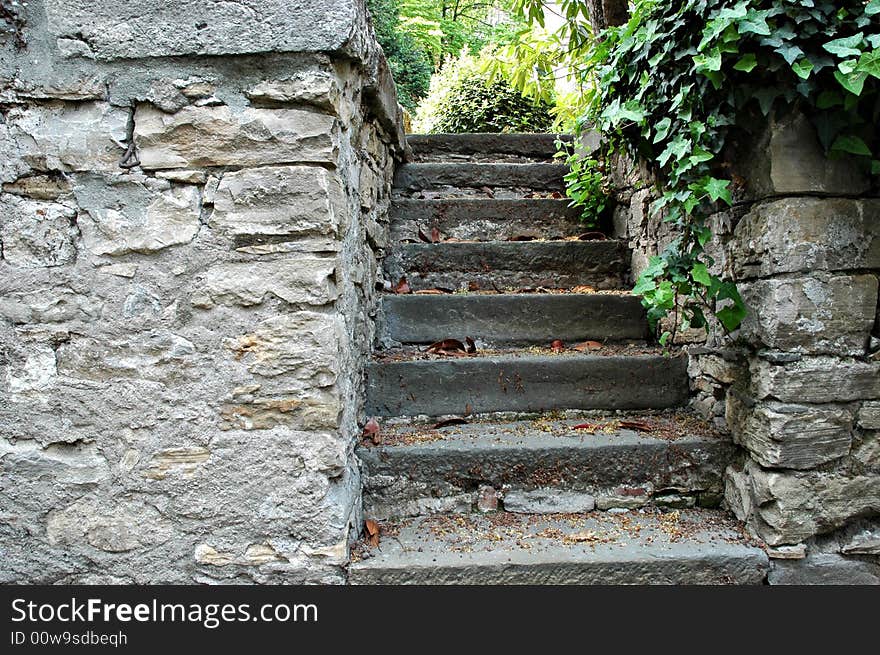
(194, 197)
(798, 386)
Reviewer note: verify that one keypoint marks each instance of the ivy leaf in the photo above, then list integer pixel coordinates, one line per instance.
(869, 62)
(790, 53)
(711, 61)
(717, 190)
(765, 98)
(803, 68)
(851, 144)
(845, 47)
(747, 62)
(731, 317)
(873, 8)
(854, 82)
(828, 99)
(755, 23)
(700, 274)
(662, 129)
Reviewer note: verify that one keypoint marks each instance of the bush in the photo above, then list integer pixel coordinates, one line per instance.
(462, 99)
(411, 66)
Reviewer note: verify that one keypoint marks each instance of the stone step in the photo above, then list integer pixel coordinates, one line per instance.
(685, 547)
(484, 219)
(524, 383)
(544, 465)
(446, 147)
(513, 319)
(510, 265)
(410, 178)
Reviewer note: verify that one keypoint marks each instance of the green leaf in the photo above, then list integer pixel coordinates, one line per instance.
(854, 82)
(700, 274)
(846, 47)
(717, 190)
(664, 338)
(869, 62)
(755, 23)
(662, 129)
(851, 144)
(828, 99)
(803, 68)
(746, 63)
(731, 317)
(711, 61)
(873, 8)
(790, 53)
(875, 167)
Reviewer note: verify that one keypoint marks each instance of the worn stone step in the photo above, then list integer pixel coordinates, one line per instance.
(544, 465)
(525, 383)
(410, 178)
(509, 265)
(687, 547)
(445, 147)
(512, 319)
(485, 219)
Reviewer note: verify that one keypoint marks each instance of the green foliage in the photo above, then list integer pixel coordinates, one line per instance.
(463, 99)
(411, 64)
(683, 80)
(586, 186)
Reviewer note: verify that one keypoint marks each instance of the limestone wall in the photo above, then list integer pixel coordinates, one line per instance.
(194, 196)
(798, 386)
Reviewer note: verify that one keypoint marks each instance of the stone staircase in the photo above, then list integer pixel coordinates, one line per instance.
(560, 451)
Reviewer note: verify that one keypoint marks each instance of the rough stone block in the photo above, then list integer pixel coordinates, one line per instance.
(806, 234)
(818, 314)
(869, 416)
(789, 160)
(793, 436)
(297, 279)
(824, 569)
(36, 234)
(155, 28)
(816, 380)
(316, 88)
(548, 501)
(220, 136)
(787, 507)
(125, 214)
(70, 137)
(279, 200)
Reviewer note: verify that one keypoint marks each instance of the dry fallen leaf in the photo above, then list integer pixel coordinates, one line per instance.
(592, 236)
(521, 237)
(455, 420)
(402, 287)
(423, 237)
(371, 431)
(473, 286)
(436, 291)
(640, 426)
(372, 529)
(583, 288)
(471, 346)
(587, 345)
(435, 235)
(586, 426)
(557, 346)
(447, 347)
(583, 535)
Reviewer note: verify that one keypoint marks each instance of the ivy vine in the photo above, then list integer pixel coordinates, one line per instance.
(674, 85)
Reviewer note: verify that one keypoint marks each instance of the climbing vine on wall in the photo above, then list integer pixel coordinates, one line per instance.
(679, 79)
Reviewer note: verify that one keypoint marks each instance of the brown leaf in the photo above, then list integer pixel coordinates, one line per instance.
(587, 345)
(471, 346)
(423, 237)
(468, 410)
(473, 286)
(583, 288)
(446, 347)
(521, 237)
(592, 236)
(435, 235)
(586, 426)
(557, 346)
(639, 426)
(402, 287)
(455, 420)
(371, 431)
(488, 191)
(556, 195)
(436, 291)
(372, 529)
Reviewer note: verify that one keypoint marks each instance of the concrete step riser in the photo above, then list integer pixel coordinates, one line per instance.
(617, 470)
(513, 319)
(511, 265)
(485, 219)
(538, 177)
(442, 147)
(525, 384)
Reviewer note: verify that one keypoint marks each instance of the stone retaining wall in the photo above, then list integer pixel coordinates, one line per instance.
(798, 386)
(194, 196)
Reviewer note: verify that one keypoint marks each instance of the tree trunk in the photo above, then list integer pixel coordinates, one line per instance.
(607, 13)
